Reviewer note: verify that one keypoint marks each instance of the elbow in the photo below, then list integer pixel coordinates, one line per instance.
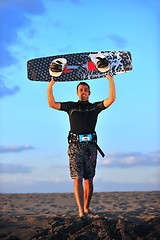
(114, 99)
(50, 105)
(54, 105)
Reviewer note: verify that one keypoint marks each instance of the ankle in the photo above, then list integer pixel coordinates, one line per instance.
(86, 210)
(81, 214)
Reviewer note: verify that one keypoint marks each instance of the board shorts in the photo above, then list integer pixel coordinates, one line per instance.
(82, 160)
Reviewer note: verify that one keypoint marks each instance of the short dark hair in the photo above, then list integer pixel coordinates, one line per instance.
(83, 83)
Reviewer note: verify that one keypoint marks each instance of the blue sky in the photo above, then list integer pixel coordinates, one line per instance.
(33, 139)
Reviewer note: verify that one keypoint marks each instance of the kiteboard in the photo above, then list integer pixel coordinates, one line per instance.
(79, 66)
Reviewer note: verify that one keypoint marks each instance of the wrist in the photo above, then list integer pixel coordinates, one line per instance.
(109, 77)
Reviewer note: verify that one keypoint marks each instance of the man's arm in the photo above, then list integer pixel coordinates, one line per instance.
(51, 101)
(112, 92)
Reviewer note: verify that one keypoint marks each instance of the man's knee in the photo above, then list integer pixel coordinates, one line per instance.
(78, 180)
(88, 183)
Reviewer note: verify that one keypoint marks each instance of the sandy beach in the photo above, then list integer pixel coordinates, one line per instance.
(115, 215)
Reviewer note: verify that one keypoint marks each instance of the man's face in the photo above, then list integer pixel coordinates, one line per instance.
(83, 92)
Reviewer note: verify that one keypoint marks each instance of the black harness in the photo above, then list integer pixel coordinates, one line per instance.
(85, 138)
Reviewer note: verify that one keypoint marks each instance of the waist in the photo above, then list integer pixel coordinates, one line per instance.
(82, 138)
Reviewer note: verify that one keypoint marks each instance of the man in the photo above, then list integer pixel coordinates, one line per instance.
(82, 148)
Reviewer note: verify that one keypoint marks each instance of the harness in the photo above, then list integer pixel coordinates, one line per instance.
(85, 138)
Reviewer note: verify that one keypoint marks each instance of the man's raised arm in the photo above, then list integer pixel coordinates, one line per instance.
(112, 92)
(51, 101)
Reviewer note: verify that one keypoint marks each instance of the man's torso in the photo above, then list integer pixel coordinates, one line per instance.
(82, 115)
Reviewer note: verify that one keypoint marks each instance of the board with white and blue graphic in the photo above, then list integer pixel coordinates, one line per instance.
(79, 66)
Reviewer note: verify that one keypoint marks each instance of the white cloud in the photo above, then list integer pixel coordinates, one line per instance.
(15, 148)
(7, 91)
(131, 159)
(13, 17)
(14, 168)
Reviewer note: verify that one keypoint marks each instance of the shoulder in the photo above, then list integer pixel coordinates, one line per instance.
(65, 106)
(99, 105)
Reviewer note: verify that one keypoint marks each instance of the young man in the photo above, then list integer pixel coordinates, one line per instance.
(82, 148)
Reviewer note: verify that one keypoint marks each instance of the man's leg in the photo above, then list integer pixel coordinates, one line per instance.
(78, 192)
(88, 191)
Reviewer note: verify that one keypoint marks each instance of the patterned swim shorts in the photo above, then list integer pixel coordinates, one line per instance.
(82, 160)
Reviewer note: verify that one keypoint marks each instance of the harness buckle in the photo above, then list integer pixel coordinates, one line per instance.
(85, 137)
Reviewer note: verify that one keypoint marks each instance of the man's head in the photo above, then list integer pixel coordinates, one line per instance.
(83, 91)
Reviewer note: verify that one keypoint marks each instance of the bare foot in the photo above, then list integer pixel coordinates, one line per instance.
(81, 214)
(87, 211)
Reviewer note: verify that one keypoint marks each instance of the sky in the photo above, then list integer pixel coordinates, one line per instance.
(33, 137)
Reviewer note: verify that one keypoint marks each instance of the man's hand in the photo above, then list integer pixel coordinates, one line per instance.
(109, 77)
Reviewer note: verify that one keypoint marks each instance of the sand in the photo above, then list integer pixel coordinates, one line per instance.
(116, 215)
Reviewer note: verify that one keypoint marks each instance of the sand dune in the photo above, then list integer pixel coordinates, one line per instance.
(118, 215)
